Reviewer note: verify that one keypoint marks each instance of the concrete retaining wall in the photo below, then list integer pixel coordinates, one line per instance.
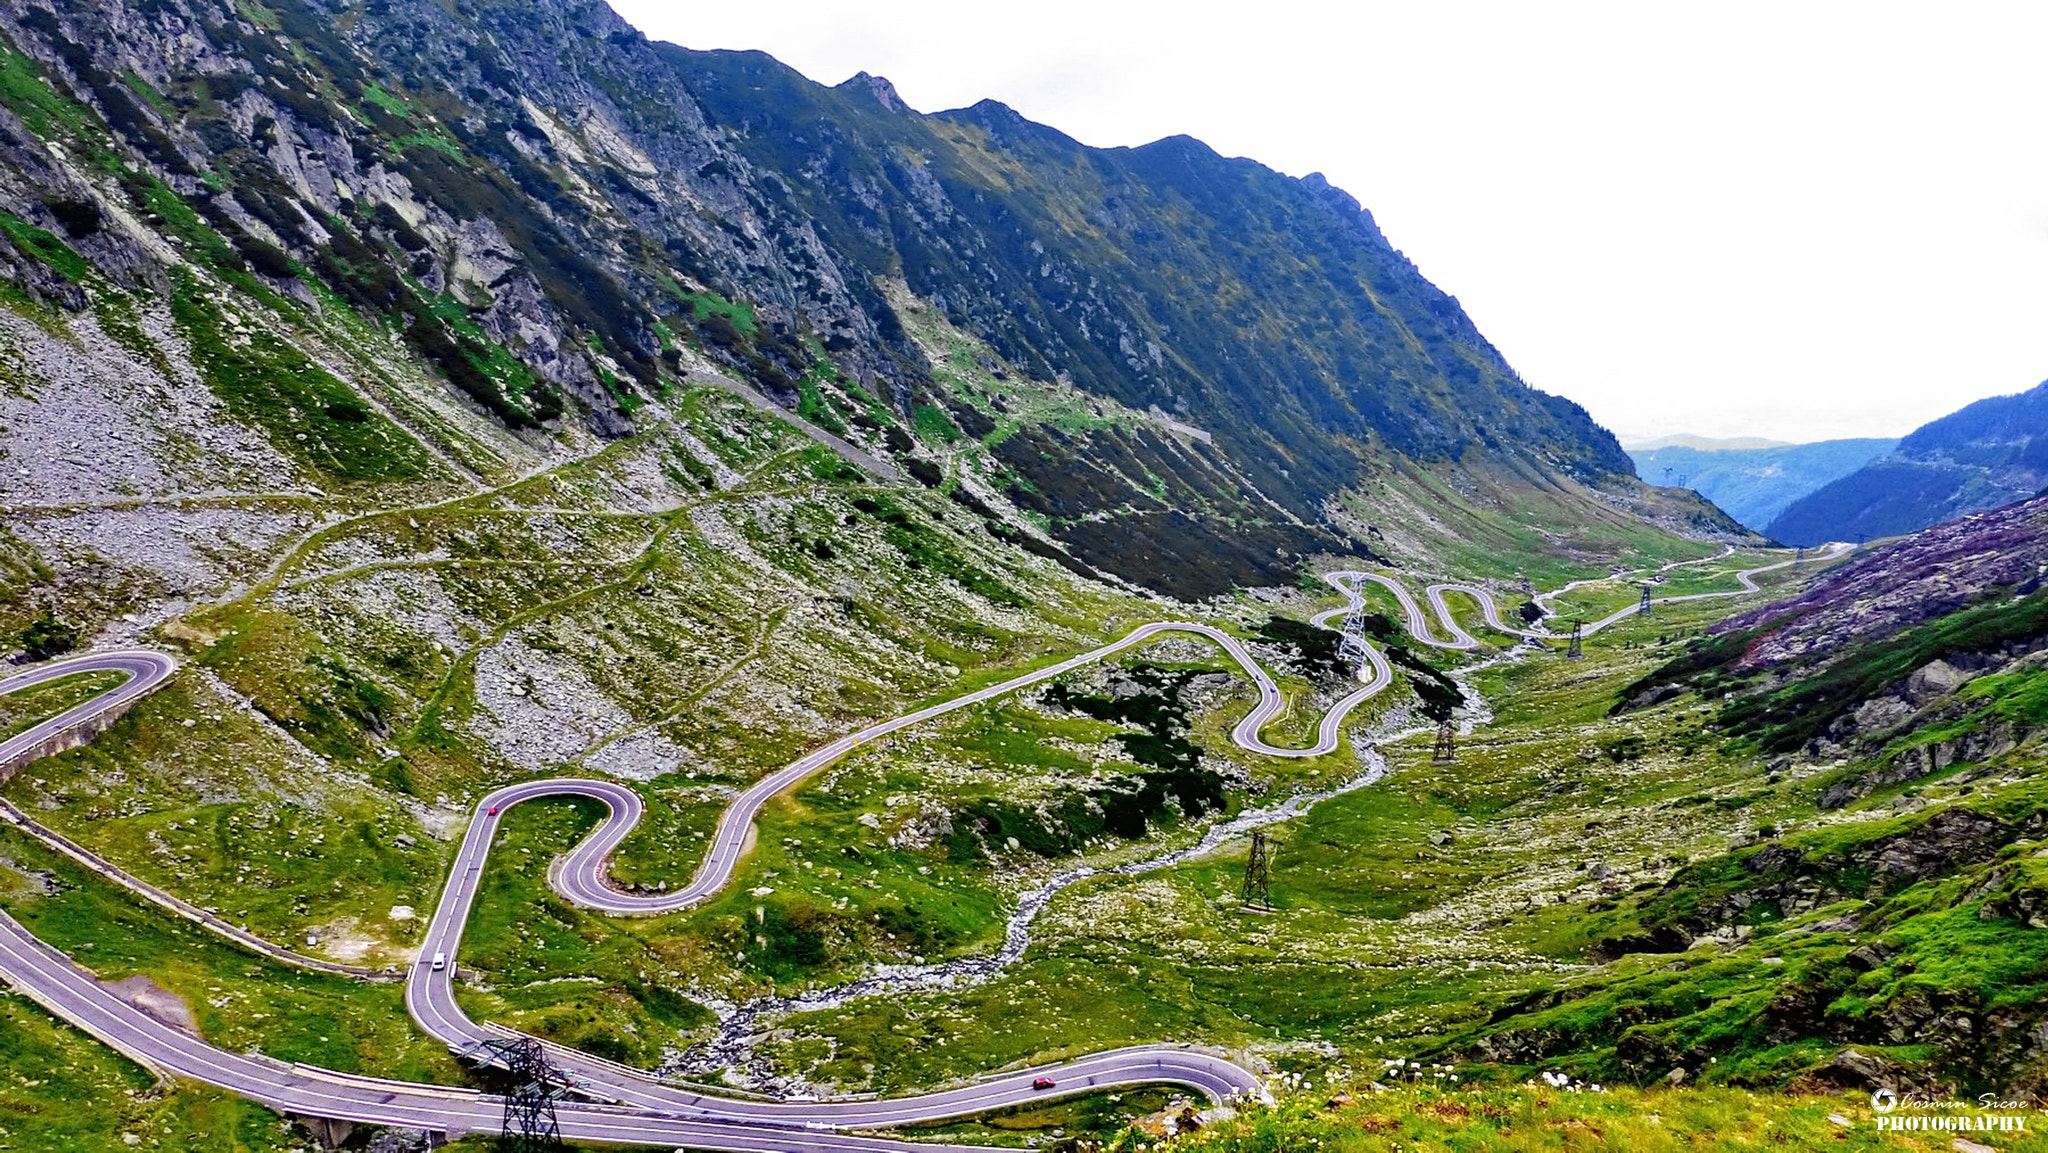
(68, 739)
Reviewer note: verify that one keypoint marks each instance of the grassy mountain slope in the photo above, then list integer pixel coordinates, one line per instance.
(1627, 874)
(1881, 923)
(547, 212)
(1981, 456)
(337, 356)
(1755, 484)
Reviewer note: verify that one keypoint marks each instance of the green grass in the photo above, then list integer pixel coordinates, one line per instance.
(923, 546)
(179, 219)
(435, 138)
(1783, 719)
(380, 96)
(23, 710)
(930, 422)
(1954, 938)
(1550, 536)
(150, 95)
(1348, 1117)
(310, 415)
(239, 1001)
(615, 986)
(2018, 697)
(1093, 1117)
(576, 977)
(62, 1090)
(812, 406)
(1366, 854)
(45, 246)
(165, 802)
(1170, 952)
(28, 94)
(515, 381)
(704, 305)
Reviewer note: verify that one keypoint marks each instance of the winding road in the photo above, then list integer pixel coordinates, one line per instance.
(1418, 622)
(641, 1108)
(145, 672)
(1747, 577)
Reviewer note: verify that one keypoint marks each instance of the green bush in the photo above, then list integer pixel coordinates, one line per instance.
(47, 636)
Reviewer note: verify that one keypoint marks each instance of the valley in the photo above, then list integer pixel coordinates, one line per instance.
(1470, 885)
(838, 629)
(579, 876)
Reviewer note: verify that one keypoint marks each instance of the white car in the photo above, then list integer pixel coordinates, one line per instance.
(440, 961)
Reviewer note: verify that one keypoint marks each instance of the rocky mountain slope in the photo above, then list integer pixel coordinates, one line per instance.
(550, 214)
(1852, 663)
(1981, 456)
(1884, 924)
(465, 392)
(1754, 484)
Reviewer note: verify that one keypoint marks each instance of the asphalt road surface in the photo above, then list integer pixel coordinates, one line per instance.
(1747, 577)
(647, 1110)
(69, 992)
(582, 877)
(147, 671)
(1418, 622)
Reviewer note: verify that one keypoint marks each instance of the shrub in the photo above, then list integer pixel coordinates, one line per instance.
(47, 636)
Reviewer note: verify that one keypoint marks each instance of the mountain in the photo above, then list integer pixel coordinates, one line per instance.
(1894, 714)
(1981, 456)
(1705, 443)
(466, 392)
(1752, 479)
(553, 214)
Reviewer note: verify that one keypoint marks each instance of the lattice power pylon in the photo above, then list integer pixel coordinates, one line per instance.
(1352, 645)
(530, 1125)
(532, 1087)
(1258, 881)
(1578, 647)
(1645, 610)
(1446, 743)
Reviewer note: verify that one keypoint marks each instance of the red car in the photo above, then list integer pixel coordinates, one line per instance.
(494, 810)
(1042, 1083)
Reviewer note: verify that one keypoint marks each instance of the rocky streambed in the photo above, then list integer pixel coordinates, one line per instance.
(732, 1052)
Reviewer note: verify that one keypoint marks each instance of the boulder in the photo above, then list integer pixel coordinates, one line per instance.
(1856, 1070)
(1932, 681)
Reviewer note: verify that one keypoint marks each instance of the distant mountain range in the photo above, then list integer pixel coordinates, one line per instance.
(1987, 454)
(1706, 443)
(1751, 478)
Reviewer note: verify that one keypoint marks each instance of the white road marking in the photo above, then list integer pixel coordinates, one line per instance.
(656, 1112)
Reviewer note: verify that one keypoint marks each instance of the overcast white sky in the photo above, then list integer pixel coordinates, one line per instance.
(1795, 220)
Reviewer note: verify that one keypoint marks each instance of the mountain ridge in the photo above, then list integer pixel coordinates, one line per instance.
(548, 207)
(1754, 485)
(1986, 454)
(1704, 443)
